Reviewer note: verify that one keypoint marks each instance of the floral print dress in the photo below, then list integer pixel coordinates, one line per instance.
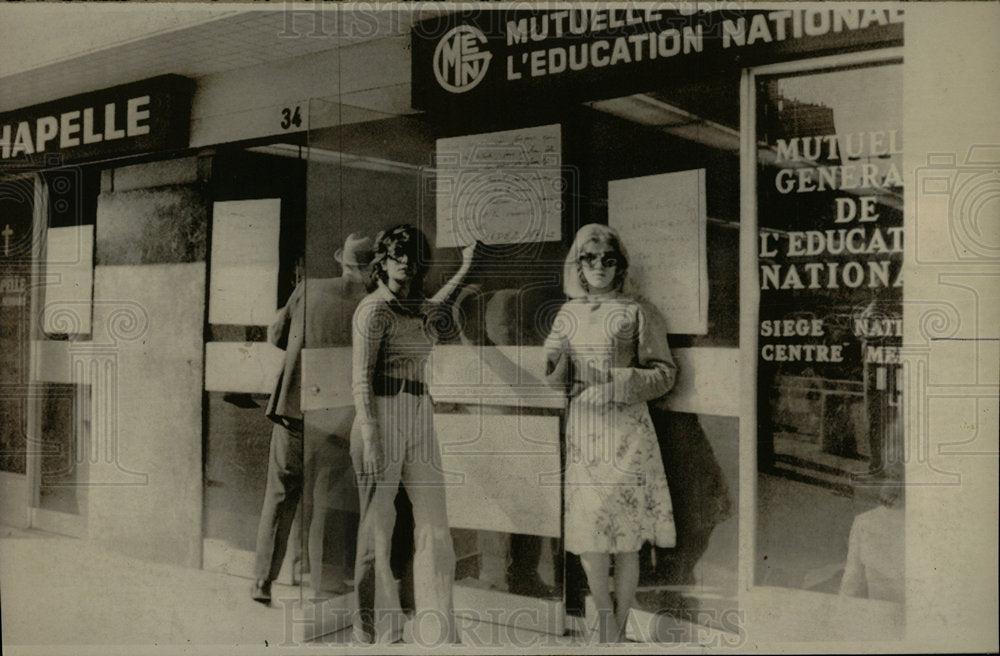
(613, 361)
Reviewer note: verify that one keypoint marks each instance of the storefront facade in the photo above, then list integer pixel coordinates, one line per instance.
(117, 369)
(695, 135)
(750, 159)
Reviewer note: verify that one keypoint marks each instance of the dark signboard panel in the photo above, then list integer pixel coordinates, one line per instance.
(140, 117)
(518, 58)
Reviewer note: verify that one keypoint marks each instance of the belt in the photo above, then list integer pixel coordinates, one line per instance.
(391, 386)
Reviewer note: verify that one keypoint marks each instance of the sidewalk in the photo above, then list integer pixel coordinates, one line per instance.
(62, 595)
(61, 591)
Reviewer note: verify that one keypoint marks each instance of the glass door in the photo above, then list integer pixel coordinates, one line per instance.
(255, 262)
(678, 140)
(60, 450)
(17, 210)
(828, 203)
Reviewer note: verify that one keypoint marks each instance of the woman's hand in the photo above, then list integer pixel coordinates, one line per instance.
(594, 375)
(372, 458)
(469, 253)
(603, 394)
(557, 369)
(444, 294)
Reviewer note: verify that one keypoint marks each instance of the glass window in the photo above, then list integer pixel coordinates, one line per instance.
(17, 208)
(830, 208)
(258, 226)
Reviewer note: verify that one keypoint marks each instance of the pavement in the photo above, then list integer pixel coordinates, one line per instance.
(59, 591)
(62, 595)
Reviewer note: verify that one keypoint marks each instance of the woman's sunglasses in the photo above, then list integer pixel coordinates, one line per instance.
(591, 260)
(398, 254)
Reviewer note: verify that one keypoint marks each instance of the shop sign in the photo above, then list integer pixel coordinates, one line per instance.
(140, 117)
(564, 55)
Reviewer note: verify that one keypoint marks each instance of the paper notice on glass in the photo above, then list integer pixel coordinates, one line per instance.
(69, 269)
(499, 187)
(244, 285)
(502, 472)
(662, 222)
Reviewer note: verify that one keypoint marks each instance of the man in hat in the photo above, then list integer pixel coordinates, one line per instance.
(309, 454)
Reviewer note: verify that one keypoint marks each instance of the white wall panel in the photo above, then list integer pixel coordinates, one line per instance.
(708, 381)
(502, 471)
(146, 359)
(492, 375)
(248, 367)
(52, 361)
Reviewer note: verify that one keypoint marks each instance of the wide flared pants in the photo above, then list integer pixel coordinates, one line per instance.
(411, 457)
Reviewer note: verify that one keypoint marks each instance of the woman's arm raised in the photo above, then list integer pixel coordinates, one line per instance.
(453, 284)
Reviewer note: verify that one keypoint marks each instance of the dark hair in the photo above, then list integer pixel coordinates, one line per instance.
(610, 241)
(402, 239)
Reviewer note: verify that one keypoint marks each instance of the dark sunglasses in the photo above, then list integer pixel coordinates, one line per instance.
(606, 260)
(402, 259)
(399, 254)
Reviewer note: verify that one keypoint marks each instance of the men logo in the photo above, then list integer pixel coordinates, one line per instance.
(459, 65)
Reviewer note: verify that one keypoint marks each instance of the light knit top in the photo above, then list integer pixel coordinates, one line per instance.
(391, 337)
(611, 339)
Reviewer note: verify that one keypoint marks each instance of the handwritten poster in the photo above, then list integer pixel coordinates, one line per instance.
(500, 187)
(662, 221)
(244, 289)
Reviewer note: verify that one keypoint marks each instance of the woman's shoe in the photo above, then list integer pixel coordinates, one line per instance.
(261, 591)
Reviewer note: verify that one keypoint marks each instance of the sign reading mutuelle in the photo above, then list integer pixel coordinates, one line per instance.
(134, 118)
(552, 55)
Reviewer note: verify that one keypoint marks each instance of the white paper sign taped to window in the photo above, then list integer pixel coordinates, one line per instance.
(244, 286)
(69, 264)
(662, 221)
(500, 187)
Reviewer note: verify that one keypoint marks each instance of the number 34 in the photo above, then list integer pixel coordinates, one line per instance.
(290, 117)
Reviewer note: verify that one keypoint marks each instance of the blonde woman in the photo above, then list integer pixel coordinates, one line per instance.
(603, 346)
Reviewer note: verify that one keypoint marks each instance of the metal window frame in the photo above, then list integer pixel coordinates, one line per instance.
(749, 288)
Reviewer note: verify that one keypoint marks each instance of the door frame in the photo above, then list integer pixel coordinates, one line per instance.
(805, 606)
(73, 525)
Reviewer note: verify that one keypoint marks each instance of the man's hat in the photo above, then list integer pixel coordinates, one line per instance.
(357, 251)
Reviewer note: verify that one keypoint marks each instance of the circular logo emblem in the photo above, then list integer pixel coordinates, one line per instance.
(459, 62)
